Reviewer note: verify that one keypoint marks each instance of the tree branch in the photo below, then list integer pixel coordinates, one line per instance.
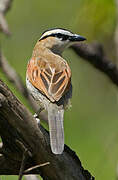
(94, 54)
(4, 6)
(18, 125)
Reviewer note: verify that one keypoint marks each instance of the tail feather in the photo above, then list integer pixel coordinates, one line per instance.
(55, 120)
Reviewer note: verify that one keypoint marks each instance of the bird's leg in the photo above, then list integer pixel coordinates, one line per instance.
(36, 115)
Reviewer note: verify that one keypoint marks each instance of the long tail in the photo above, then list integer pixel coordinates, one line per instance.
(55, 120)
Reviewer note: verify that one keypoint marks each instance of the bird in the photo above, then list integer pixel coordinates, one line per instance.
(48, 80)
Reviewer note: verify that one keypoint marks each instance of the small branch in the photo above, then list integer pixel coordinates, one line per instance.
(94, 54)
(12, 75)
(35, 167)
(4, 25)
(23, 163)
(4, 6)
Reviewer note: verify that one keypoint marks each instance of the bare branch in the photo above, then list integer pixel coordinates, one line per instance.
(20, 125)
(12, 75)
(4, 6)
(94, 54)
(23, 163)
(35, 167)
(4, 25)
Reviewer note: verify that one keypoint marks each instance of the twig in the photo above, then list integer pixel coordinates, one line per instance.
(23, 163)
(12, 75)
(4, 6)
(35, 167)
(4, 25)
(24, 149)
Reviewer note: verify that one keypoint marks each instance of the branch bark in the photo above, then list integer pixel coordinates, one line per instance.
(19, 131)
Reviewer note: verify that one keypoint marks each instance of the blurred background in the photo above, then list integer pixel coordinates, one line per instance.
(91, 125)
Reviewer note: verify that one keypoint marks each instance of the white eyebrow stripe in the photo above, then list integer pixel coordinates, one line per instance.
(55, 31)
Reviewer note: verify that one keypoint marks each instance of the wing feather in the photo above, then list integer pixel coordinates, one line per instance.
(52, 81)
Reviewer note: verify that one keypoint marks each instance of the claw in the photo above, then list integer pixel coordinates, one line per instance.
(37, 118)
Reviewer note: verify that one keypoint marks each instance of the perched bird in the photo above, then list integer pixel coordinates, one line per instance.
(48, 79)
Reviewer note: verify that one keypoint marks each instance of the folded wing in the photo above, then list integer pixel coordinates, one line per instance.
(51, 80)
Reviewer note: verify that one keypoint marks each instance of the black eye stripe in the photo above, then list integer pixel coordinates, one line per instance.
(63, 37)
(59, 35)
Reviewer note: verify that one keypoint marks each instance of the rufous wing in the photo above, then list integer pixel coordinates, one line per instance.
(53, 82)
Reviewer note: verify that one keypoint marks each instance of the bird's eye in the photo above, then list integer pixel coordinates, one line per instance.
(59, 35)
(63, 37)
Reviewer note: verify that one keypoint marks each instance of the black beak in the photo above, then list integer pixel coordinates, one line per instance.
(76, 38)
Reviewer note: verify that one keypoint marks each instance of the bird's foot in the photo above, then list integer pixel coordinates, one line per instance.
(37, 118)
(36, 115)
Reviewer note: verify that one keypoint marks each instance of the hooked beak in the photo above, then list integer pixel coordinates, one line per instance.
(76, 38)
